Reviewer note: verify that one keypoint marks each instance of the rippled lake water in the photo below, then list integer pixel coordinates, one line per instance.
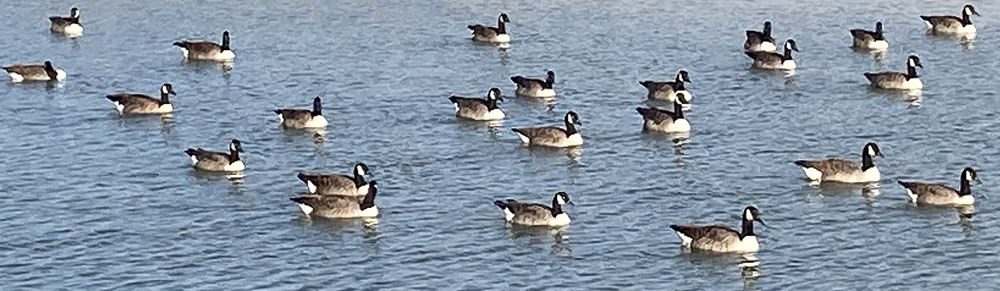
(91, 200)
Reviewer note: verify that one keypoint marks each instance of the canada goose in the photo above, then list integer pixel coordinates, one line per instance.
(303, 118)
(535, 214)
(141, 103)
(338, 184)
(497, 34)
(872, 40)
(535, 87)
(67, 25)
(939, 194)
(552, 136)
(760, 40)
(205, 50)
(35, 72)
(720, 238)
(838, 170)
(775, 61)
(656, 119)
(334, 206)
(477, 108)
(897, 80)
(952, 24)
(218, 161)
(666, 90)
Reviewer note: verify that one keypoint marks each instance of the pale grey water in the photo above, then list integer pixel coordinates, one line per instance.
(91, 200)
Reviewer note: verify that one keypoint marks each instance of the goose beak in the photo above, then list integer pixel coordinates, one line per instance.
(761, 221)
(570, 203)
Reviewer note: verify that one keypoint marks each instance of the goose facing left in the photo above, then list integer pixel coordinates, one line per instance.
(498, 34)
(940, 194)
(668, 91)
(303, 118)
(898, 80)
(535, 214)
(553, 136)
(760, 41)
(218, 161)
(206, 50)
(655, 119)
(67, 25)
(134, 103)
(34, 72)
(535, 87)
(838, 170)
(720, 238)
(478, 108)
(871, 40)
(773, 60)
(949, 24)
(335, 206)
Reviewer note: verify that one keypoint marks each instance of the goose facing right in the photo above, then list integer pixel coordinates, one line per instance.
(478, 108)
(760, 40)
(897, 80)
(552, 136)
(655, 119)
(668, 91)
(482, 33)
(67, 25)
(535, 87)
(720, 238)
(335, 206)
(940, 194)
(303, 118)
(871, 40)
(949, 24)
(218, 161)
(535, 214)
(133, 103)
(773, 60)
(838, 170)
(206, 50)
(338, 184)
(34, 72)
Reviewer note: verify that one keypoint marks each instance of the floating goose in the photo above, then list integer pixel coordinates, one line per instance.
(668, 91)
(553, 136)
(720, 238)
(656, 119)
(334, 206)
(939, 194)
(303, 118)
(133, 103)
(838, 170)
(478, 108)
(760, 40)
(338, 184)
(218, 161)
(205, 50)
(897, 80)
(775, 61)
(45, 72)
(952, 24)
(67, 25)
(534, 214)
(872, 40)
(497, 34)
(535, 87)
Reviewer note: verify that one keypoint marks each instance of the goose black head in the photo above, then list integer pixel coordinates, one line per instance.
(74, 13)
(683, 76)
(494, 94)
(878, 27)
(360, 169)
(573, 118)
(790, 45)
(167, 88)
(752, 214)
(550, 77)
(969, 174)
(562, 198)
(51, 71)
(914, 61)
(767, 28)
(871, 149)
(503, 17)
(225, 40)
(235, 146)
(317, 106)
(970, 10)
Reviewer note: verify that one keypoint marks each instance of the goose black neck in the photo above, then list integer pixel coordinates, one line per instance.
(570, 129)
(225, 42)
(359, 180)
(911, 71)
(234, 155)
(369, 200)
(679, 83)
(550, 79)
(501, 27)
(678, 110)
(317, 109)
(787, 55)
(556, 207)
(963, 186)
(491, 103)
(965, 18)
(866, 161)
(767, 32)
(164, 98)
(747, 228)
(878, 33)
(51, 72)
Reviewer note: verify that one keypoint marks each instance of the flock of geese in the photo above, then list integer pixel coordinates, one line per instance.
(352, 196)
